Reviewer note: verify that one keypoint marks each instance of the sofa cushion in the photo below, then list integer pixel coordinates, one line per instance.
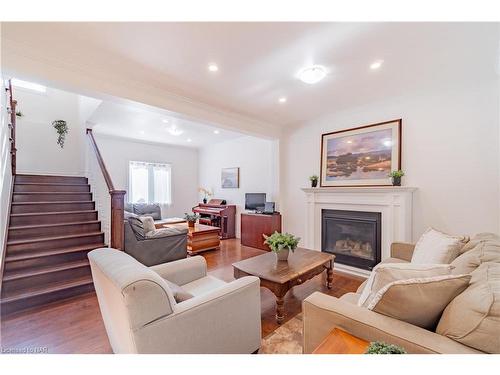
(385, 273)
(351, 298)
(203, 285)
(419, 301)
(386, 260)
(148, 223)
(473, 317)
(180, 294)
(484, 247)
(166, 232)
(137, 227)
(148, 209)
(435, 247)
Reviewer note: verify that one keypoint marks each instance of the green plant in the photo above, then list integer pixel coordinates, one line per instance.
(378, 347)
(191, 217)
(61, 129)
(313, 178)
(281, 241)
(396, 174)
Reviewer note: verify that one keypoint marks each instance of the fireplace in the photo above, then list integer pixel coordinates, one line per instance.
(353, 236)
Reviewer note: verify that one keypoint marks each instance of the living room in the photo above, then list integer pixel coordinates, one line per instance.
(331, 188)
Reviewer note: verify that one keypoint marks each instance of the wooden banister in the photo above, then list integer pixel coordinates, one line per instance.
(12, 126)
(117, 200)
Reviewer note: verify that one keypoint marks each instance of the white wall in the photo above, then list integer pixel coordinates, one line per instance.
(38, 151)
(118, 152)
(450, 153)
(258, 162)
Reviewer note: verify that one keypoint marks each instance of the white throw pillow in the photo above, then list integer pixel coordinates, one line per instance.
(386, 273)
(435, 247)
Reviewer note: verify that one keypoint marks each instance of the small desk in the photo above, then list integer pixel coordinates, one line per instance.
(200, 237)
(341, 342)
(281, 276)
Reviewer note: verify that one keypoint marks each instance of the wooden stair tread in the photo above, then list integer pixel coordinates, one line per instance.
(49, 183)
(53, 225)
(53, 213)
(51, 238)
(50, 202)
(66, 250)
(55, 287)
(18, 274)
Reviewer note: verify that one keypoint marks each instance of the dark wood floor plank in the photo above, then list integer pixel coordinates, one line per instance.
(75, 326)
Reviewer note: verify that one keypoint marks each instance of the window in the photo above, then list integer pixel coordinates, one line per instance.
(149, 183)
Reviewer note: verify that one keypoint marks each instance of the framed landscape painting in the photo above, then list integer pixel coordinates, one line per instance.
(362, 156)
(230, 178)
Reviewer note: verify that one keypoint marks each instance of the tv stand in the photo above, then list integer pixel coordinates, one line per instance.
(254, 225)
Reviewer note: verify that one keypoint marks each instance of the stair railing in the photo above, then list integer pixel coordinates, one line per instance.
(12, 127)
(117, 200)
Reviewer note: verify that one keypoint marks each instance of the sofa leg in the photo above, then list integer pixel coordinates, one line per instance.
(256, 352)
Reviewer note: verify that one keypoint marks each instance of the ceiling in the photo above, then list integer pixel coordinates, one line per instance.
(153, 125)
(258, 62)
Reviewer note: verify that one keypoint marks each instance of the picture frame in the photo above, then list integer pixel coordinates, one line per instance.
(230, 178)
(361, 156)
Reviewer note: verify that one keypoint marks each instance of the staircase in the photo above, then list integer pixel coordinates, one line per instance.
(53, 225)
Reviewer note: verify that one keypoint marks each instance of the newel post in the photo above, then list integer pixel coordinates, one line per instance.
(117, 216)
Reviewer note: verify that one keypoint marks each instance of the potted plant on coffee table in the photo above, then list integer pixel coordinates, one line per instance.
(191, 219)
(281, 244)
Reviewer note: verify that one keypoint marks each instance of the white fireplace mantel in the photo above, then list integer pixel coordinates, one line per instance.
(393, 202)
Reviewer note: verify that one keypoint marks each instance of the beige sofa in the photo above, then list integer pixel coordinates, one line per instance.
(141, 315)
(322, 312)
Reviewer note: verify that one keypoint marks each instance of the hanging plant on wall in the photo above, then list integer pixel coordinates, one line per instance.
(61, 129)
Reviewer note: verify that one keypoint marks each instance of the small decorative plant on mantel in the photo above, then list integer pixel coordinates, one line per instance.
(396, 177)
(206, 193)
(378, 347)
(314, 180)
(281, 244)
(191, 219)
(62, 129)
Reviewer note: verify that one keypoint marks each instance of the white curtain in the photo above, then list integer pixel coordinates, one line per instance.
(149, 183)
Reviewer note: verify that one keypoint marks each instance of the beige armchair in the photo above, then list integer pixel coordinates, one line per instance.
(322, 313)
(141, 315)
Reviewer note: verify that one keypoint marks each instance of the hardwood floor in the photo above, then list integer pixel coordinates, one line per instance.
(75, 326)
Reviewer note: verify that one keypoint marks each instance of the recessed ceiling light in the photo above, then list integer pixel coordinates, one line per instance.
(213, 68)
(175, 131)
(165, 121)
(312, 74)
(189, 140)
(216, 131)
(376, 64)
(282, 100)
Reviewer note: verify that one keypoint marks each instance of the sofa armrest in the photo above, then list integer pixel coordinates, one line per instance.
(322, 313)
(402, 250)
(225, 320)
(182, 271)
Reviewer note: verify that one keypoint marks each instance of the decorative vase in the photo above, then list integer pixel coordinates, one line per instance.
(283, 254)
(205, 200)
(314, 183)
(396, 181)
(191, 224)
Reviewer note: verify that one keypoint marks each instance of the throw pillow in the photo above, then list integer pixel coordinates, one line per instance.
(436, 247)
(484, 247)
(473, 317)
(148, 223)
(137, 227)
(179, 293)
(385, 273)
(419, 301)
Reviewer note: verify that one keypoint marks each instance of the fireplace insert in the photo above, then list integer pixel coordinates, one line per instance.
(353, 236)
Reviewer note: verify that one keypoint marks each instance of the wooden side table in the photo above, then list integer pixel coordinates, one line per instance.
(341, 342)
(200, 237)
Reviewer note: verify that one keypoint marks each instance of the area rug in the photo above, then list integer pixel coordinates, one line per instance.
(287, 339)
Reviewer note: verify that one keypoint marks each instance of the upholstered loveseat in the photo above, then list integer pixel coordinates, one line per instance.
(469, 324)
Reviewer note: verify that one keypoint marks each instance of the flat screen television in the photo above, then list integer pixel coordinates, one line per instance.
(255, 201)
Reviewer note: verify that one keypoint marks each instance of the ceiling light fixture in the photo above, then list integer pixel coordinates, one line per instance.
(189, 140)
(216, 131)
(312, 74)
(213, 68)
(282, 100)
(175, 131)
(376, 64)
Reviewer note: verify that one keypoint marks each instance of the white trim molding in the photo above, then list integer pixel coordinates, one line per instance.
(393, 202)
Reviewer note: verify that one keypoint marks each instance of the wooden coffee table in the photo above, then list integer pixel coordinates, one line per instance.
(281, 276)
(201, 237)
(341, 342)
